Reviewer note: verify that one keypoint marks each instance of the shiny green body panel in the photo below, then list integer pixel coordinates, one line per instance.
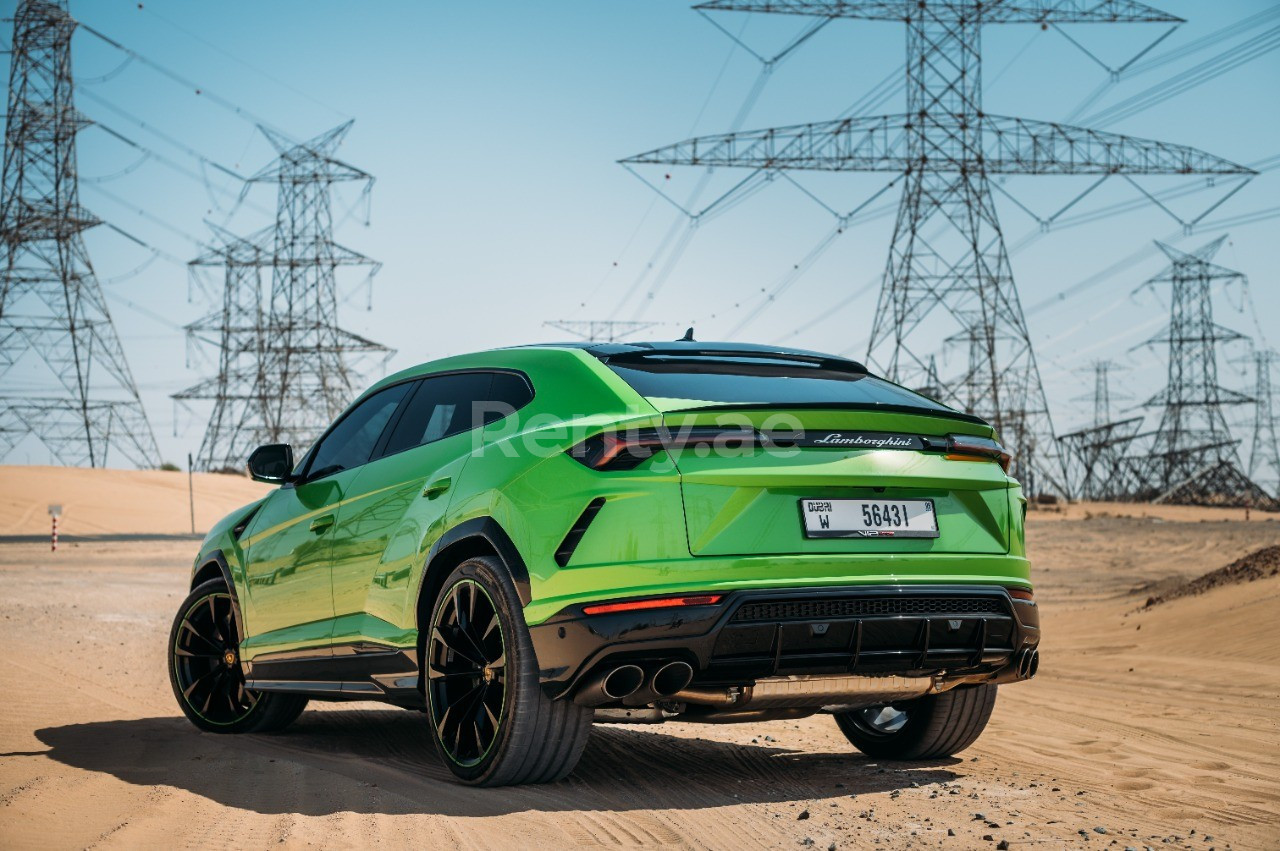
(680, 522)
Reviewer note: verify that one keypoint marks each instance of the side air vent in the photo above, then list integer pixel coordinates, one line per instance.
(239, 528)
(570, 543)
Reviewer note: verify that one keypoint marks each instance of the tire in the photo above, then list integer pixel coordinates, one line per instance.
(489, 718)
(934, 726)
(205, 672)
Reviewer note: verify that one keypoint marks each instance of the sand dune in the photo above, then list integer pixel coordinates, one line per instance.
(116, 502)
(1156, 726)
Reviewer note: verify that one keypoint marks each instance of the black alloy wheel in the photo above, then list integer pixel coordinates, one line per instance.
(467, 673)
(206, 663)
(205, 671)
(929, 727)
(882, 720)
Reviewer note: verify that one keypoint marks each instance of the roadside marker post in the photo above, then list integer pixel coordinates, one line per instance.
(55, 511)
(191, 493)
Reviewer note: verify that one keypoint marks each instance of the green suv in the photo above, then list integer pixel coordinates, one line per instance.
(523, 541)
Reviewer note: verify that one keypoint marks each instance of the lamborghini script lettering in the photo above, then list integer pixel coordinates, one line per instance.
(870, 441)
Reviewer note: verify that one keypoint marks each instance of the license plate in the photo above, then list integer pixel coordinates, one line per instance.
(869, 518)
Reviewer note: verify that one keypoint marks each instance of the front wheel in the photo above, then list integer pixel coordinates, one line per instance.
(928, 727)
(489, 718)
(204, 669)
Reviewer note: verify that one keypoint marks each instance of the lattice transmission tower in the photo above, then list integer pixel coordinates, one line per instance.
(235, 330)
(1096, 457)
(1264, 448)
(601, 330)
(63, 372)
(947, 253)
(283, 379)
(1193, 458)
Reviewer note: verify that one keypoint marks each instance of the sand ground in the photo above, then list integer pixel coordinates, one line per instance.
(1160, 727)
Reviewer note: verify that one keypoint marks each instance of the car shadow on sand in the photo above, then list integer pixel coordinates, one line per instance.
(382, 761)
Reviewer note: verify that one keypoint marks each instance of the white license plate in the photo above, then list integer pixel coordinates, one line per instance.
(869, 518)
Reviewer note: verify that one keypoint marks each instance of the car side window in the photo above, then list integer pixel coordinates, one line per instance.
(351, 442)
(446, 405)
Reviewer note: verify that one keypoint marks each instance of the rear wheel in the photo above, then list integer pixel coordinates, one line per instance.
(205, 672)
(489, 718)
(925, 728)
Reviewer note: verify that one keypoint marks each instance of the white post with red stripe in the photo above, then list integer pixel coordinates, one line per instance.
(54, 512)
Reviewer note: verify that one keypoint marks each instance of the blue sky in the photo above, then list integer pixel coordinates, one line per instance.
(493, 130)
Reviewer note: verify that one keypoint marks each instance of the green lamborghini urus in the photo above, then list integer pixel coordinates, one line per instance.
(522, 542)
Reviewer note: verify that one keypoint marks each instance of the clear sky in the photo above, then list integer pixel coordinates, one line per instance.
(494, 128)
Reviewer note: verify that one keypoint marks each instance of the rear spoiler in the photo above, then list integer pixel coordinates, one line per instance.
(835, 406)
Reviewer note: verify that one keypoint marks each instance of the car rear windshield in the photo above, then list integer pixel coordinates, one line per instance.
(747, 381)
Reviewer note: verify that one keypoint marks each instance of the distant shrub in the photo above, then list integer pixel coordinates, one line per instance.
(170, 467)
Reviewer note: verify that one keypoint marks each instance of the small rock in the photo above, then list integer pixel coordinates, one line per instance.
(804, 814)
(808, 840)
(1099, 829)
(831, 847)
(1002, 845)
(986, 837)
(951, 832)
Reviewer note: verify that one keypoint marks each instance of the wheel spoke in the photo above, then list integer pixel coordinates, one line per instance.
(186, 624)
(435, 672)
(213, 617)
(438, 634)
(180, 652)
(197, 681)
(457, 607)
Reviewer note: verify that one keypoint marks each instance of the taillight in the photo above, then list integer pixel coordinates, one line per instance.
(1021, 593)
(964, 447)
(626, 450)
(660, 603)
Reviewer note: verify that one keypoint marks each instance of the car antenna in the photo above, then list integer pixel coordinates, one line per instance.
(688, 336)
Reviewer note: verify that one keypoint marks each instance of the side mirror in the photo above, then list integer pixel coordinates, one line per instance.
(272, 463)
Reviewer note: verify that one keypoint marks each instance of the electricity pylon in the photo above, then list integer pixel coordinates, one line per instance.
(947, 147)
(236, 330)
(65, 378)
(1096, 457)
(1193, 457)
(601, 330)
(305, 368)
(1264, 449)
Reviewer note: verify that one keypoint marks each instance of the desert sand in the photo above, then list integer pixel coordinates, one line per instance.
(117, 502)
(1151, 727)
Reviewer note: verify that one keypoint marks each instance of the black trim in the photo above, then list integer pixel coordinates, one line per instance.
(488, 529)
(573, 537)
(571, 645)
(354, 671)
(216, 557)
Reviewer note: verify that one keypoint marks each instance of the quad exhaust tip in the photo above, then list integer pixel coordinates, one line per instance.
(622, 681)
(1028, 663)
(671, 678)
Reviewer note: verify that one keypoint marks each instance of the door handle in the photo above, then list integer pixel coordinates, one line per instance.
(322, 523)
(436, 488)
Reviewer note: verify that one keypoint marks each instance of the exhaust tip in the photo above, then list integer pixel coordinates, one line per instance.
(622, 681)
(671, 678)
(1028, 663)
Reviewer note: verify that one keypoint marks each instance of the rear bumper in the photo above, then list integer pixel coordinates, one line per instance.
(955, 633)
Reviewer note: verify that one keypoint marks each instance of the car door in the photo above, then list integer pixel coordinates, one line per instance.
(287, 546)
(395, 506)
